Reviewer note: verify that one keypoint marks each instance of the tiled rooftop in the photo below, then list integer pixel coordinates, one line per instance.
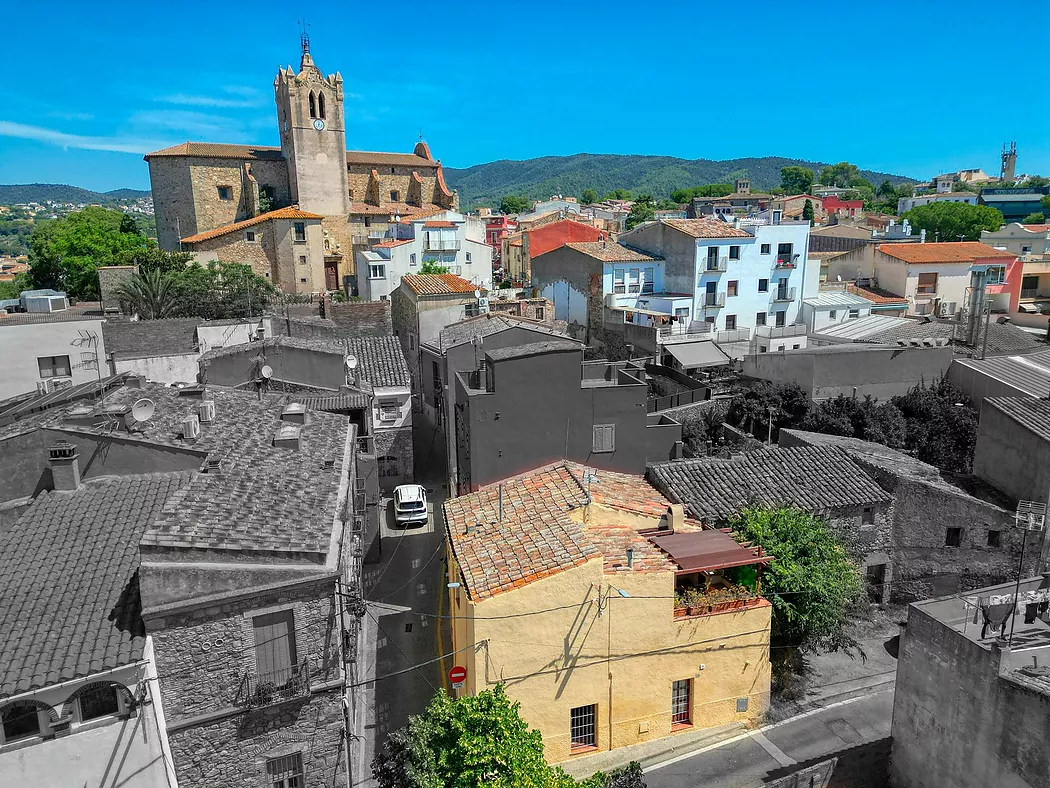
(127, 339)
(706, 228)
(553, 345)
(437, 284)
(609, 251)
(814, 479)
(542, 530)
(267, 153)
(946, 252)
(68, 580)
(292, 212)
(487, 324)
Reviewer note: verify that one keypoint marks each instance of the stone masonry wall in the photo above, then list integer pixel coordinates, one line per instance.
(260, 254)
(396, 443)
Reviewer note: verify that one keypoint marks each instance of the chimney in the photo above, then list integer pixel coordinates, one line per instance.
(196, 391)
(65, 466)
(675, 515)
(630, 557)
(294, 413)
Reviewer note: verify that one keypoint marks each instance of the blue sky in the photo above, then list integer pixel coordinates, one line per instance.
(914, 88)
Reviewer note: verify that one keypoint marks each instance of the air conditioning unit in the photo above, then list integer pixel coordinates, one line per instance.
(43, 386)
(206, 411)
(191, 428)
(61, 383)
(946, 309)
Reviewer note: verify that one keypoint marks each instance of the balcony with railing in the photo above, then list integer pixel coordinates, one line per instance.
(786, 261)
(713, 266)
(784, 294)
(725, 598)
(779, 332)
(432, 244)
(713, 300)
(275, 686)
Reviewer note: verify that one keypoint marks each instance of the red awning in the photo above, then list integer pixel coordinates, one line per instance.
(700, 551)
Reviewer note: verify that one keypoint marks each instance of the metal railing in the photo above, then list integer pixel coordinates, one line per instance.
(784, 294)
(442, 244)
(719, 266)
(657, 404)
(276, 686)
(715, 300)
(775, 332)
(359, 240)
(785, 261)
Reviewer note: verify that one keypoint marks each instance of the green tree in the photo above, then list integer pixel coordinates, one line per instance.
(643, 210)
(841, 174)
(152, 295)
(940, 428)
(432, 267)
(786, 404)
(1034, 218)
(65, 253)
(512, 203)
(866, 418)
(618, 194)
(589, 196)
(807, 211)
(964, 186)
(953, 221)
(796, 180)
(681, 196)
(153, 258)
(1036, 181)
(811, 582)
(469, 742)
(14, 288)
(1045, 202)
(220, 291)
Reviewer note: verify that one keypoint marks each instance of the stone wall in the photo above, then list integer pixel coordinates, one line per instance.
(398, 444)
(260, 254)
(109, 279)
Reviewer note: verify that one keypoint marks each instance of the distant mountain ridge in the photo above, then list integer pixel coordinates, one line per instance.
(486, 184)
(58, 192)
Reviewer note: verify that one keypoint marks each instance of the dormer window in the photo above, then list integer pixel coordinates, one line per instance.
(395, 196)
(313, 105)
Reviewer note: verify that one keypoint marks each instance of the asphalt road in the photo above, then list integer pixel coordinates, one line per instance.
(407, 581)
(855, 731)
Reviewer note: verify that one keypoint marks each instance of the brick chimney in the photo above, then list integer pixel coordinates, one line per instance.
(65, 466)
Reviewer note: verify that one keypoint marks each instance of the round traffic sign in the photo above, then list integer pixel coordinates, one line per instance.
(457, 675)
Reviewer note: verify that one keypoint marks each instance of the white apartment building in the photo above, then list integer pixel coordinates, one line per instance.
(448, 239)
(907, 203)
(751, 274)
(50, 351)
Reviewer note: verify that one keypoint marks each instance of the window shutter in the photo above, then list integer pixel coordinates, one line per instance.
(274, 642)
(604, 438)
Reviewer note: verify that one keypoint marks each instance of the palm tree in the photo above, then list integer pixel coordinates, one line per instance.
(152, 295)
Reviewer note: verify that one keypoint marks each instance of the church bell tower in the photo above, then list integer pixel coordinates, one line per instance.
(313, 136)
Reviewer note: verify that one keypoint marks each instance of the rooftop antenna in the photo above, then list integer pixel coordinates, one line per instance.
(304, 37)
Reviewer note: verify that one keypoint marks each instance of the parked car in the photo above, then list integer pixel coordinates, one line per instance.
(410, 504)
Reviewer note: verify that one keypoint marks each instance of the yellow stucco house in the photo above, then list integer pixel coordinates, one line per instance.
(611, 618)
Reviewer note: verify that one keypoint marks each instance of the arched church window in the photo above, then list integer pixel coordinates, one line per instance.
(320, 105)
(313, 105)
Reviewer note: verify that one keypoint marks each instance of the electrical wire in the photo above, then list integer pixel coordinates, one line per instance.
(399, 650)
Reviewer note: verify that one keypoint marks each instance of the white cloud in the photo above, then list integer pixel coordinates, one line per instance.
(63, 140)
(240, 97)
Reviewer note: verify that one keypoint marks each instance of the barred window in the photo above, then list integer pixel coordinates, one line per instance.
(582, 725)
(681, 711)
(286, 771)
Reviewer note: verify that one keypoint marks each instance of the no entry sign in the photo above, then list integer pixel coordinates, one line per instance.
(457, 676)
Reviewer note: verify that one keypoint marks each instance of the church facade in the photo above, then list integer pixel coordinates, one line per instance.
(297, 213)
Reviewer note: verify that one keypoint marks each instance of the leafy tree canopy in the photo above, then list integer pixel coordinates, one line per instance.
(215, 292)
(65, 253)
(785, 403)
(807, 211)
(796, 180)
(14, 288)
(1034, 218)
(513, 203)
(619, 194)
(963, 186)
(812, 581)
(1045, 202)
(432, 267)
(643, 210)
(1035, 181)
(941, 428)
(589, 196)
(680, 196)
(954, 221)
(477, 742)
(841, 174)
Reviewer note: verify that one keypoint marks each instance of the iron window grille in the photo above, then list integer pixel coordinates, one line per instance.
(286, 771)
(582, 726)
(275, 686)
(680, 705)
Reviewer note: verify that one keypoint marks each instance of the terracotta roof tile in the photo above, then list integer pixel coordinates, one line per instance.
(68, 578)
(408, 212)
(705, 228)
(440, 224)
(437, 284)
(875, 296)
(947, 252)
(609, 251)
(392, 244)
(291, 212)
(220, 150)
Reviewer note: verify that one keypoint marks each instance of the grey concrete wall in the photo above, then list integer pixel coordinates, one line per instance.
(305, 367)
(23, 344)
(956, 722)
(977, 385)
(880, 372)
(1011, 457)
(506, 438)
(678, 249)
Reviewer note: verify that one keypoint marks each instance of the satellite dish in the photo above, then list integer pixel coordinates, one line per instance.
(351, 362)
(477, 294)
(838, 277)
(143, 409)
(266, 372)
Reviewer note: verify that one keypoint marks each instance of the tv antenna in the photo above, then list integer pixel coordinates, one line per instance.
(304, 37)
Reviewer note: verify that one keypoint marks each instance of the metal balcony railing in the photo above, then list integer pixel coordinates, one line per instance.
(714, 300)
(359, 240)
(719, 266)
(442, 244)
(264, 689)
(784, 294)
(786, 261)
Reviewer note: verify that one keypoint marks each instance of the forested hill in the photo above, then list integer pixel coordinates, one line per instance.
(485, 184)
(57, 192)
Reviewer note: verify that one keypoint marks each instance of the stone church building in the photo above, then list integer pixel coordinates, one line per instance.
(300, 212)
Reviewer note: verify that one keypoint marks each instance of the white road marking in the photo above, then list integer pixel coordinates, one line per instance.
(778, 754)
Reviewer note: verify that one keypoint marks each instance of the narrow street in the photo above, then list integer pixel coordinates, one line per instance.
(856, 732)
(405, 592)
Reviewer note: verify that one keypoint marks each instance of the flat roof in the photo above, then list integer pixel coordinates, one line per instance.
(704, 353)
(829, 299)
(1029, 373)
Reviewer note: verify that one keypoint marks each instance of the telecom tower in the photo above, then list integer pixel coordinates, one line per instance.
(1009, 162)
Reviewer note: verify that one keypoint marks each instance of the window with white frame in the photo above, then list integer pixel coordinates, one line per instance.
(53, 366)
(681, 311)
(996, 275)
(618, 285)
(376, 271)
(648, 278)
(389, 410)
(734, 252)
(765, 249)
(604, 438)
(582, 726)
(833, 314)
(468, 256)
(286, 771)
(20, 721)
(854, 314)
(412, 259)
(633, 283)
(89, 360)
